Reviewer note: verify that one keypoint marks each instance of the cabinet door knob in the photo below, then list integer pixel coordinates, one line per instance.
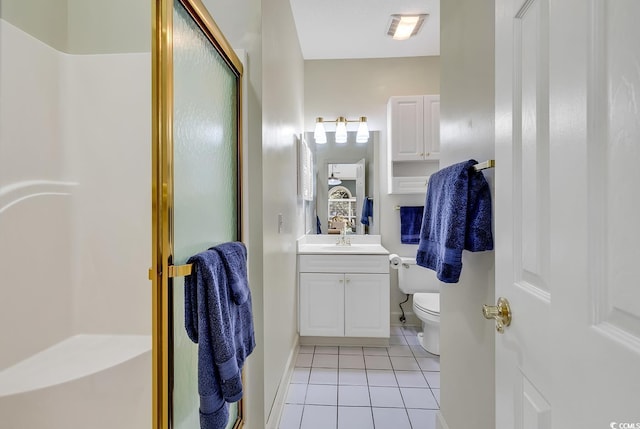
(341, 280)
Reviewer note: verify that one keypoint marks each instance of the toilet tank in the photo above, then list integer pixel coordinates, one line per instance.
(413, 278)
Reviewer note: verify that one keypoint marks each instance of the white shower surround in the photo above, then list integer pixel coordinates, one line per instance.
(75, 180)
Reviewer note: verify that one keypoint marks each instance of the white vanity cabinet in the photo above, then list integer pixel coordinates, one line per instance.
(344, 295)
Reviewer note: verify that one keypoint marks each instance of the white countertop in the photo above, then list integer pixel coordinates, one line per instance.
(326, 245)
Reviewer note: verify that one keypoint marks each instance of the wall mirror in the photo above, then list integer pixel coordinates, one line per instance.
(355, 165)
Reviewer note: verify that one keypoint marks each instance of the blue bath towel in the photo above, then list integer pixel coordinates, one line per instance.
(457, 216)
(222, 328)
(234, 258)
(367, 211)
(318, 228)
(410, 224)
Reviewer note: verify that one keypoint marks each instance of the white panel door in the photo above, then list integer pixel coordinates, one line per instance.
(567, 156)
(322, 304)
(523, 375)
(406, 117)
(366, 305)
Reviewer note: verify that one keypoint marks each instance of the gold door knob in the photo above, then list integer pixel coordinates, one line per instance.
(501, 313)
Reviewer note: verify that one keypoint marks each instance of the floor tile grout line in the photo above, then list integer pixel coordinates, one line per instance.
(403, 401)
(366, 373)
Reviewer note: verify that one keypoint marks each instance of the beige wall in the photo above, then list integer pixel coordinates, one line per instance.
(105, 27)
(282, 119)
(362, 87)
(467, 131)
(84, 26)
(46, 20)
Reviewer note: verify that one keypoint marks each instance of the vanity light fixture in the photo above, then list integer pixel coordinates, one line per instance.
(362, 136)
(402, 27)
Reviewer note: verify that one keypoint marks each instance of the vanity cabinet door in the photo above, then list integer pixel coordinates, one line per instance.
(322, 304)
(366, 299)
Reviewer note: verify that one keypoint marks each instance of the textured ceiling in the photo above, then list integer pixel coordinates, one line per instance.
(334, 29)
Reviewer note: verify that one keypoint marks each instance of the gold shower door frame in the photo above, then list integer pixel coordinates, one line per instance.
(162, 188)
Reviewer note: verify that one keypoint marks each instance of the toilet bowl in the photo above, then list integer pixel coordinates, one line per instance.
(426, 307)
(423, 284)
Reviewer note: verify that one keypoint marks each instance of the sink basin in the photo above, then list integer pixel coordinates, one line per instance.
(334, 249)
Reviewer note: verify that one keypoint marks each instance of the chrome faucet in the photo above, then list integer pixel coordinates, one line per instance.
(343, 240)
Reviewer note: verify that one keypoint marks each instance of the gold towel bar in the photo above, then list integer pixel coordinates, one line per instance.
(484, 165)
(175, 271)
(179, 270)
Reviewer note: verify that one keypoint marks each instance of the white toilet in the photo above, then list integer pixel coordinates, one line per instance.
(423, 284)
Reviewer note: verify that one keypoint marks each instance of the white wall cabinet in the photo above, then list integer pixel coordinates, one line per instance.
(414, 127)
(335, 303)
(413, 142)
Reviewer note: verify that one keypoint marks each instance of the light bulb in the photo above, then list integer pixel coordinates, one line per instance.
(319, 135)
(363, 131)
(341, 130)
(405, 27)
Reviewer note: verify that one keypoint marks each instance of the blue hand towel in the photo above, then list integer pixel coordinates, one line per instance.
(222, 328)
(410, 224)
(367, 211)
(318, 228)
(457, 216)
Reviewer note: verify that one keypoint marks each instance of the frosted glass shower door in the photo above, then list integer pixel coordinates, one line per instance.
(205, 184)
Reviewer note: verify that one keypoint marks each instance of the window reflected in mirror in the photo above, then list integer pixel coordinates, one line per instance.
(342, 210)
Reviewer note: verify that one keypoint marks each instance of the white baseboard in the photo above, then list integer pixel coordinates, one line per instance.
(410, 318)
(345, 341)
(278, 403)
(440, 421)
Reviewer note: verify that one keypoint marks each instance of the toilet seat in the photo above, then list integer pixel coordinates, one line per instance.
(427, 303)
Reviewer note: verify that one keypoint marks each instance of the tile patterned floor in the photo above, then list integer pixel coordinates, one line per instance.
(395, 387)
